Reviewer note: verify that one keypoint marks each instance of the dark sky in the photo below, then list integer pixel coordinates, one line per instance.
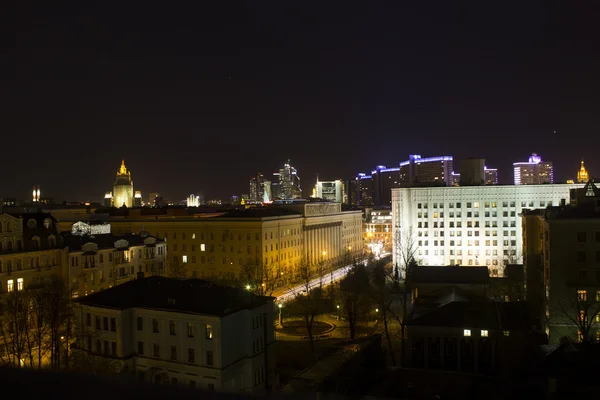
(203, 97)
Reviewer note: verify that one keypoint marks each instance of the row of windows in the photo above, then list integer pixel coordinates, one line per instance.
(232, 249)
(488, 243)
(582, 237)
(469, 214)
(486, 204)
(172, 328)
(102, 323)
(224, 236)
(469, 233)
(174, 355)
(10, 285)
(469, 224)
(582, 256)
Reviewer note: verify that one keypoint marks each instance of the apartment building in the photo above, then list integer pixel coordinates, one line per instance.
(181, 332)
(30, 250)
(562, 266)
(101, 261)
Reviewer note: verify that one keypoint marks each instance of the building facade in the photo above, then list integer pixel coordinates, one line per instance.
(219, 245)
(30, 251)
(181, 332)
(101, 261)
(377, 230)
(533, 172)
(467, 225)
(562, 266)
(582, 174)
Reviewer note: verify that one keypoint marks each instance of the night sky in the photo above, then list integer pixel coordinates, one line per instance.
(201, 98)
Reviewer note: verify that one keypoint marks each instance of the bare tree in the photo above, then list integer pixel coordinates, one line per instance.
(38, 329)
(59, 316)
(405, 251)
(353, 292)
(261, 278)
(582, 312)
(14, 321)
(383, 284)
(309, 297)
(176, 269)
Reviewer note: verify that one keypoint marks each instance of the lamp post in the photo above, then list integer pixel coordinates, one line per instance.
(338, 310)
(280, 317)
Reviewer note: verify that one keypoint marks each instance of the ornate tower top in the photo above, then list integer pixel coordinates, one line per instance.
(582, 174)
(123, 169)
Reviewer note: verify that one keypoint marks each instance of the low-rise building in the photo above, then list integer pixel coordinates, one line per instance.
(98, 262)
(184, 332)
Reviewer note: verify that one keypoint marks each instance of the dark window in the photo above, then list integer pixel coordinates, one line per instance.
(209, 358)
(98, 327)
(581, 237)
(113, 324)
(172, 327)
(173, 353)
(597, 255)
(106, 347)
(140, 323)
(190, 329)
(597, 237)
(141, 348)
(156, 350)
(98, 347)
(105, 323)
(581, 256)
(114, 348)
(154, 325)
(88, 318)
(191, 355)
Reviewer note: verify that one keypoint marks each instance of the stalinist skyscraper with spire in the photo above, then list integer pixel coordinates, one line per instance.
(122, 193)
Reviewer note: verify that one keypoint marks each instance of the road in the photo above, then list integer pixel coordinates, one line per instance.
(328, 279)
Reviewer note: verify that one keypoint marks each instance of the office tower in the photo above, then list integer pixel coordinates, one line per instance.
(364, 190)
(286, 183)
(137, 199)
(193, 200)
(582, 174)
(533, 172)
(330, 190)
(352, 191)
(491, 176)
(384, 179)
(426, 171)
(36, 194)
(467, 225)
(258, 188)
(562, 265)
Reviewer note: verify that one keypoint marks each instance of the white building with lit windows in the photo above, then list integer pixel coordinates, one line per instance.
(467, 225)
(186, 332)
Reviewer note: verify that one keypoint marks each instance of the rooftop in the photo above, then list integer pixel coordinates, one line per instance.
(194, 296)
(260, 212)
(476, 314)
(451, 275)
(104, 241)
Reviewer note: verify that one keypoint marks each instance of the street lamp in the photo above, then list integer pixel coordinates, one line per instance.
(280, 318)
(247, 287)
(338, 309)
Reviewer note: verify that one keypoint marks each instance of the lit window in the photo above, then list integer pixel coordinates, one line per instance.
(202, 247)
(20, 284)
(209, 332)
(579, 336)
(184, 258)
(476, 204)
(484, 333)
(582, 295)
(506, 333)
(193, 236)
(11, 285)
(467, 332)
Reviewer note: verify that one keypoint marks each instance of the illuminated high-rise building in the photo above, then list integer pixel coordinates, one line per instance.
(533, 172)
(491, 176)
(36, 194)
(137, 199)
(122, 193)
(286, 184)
(418, 171)
(384, 179)
(260, 189)
(582, 174)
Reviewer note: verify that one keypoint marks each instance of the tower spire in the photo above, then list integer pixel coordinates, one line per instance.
(123, 169)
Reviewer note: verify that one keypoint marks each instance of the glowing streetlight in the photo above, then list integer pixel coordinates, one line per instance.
(377, 310)
(338, 309)
(247, 287)
(280, 317)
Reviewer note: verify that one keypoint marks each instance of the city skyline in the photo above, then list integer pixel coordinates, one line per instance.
(191, 101)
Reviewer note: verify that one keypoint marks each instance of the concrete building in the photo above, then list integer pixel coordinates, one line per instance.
(30, 250)
(562, 265)
(101, 261)
(384, 180)
(181, 332)
(533, 172)
(491, 176)
(426, 171)
(364, 190)
(468, 225)
(472, 172)
(330, 190)
(218, 245)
